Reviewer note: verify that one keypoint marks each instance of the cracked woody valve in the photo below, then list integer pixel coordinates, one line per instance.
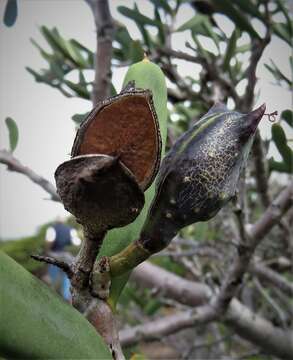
(115, 157)
(197, 178)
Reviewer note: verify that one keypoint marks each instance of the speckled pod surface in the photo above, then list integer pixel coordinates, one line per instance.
(200, 173)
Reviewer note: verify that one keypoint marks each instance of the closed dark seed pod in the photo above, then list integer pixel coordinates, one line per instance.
(200, 173)
(99, 191)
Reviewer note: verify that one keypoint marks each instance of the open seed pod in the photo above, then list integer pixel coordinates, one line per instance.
(200, 173)
(124, 126)
(99, 191)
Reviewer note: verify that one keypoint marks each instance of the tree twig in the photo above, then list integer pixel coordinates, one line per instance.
(105, 33)
(15, 165)
(51, 260)
(245, 250)
(244, 322)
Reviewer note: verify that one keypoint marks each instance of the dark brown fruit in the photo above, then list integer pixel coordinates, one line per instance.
(200, 173)
(124, 126)
(99, 191)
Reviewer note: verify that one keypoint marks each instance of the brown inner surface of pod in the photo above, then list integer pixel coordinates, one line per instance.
(126, 128)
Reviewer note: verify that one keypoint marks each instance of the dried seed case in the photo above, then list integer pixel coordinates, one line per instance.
(124, 126)
(99, 191)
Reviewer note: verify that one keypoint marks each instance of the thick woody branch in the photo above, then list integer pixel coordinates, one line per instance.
(15, 165)
(245, 250)
(245, 323)
(249, 325)
(105, 33)
(272, 215)
(271, 277)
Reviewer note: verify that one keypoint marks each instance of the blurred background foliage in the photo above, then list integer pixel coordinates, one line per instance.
(226, 72)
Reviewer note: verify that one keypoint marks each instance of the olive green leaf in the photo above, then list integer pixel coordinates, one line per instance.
(10, 13)
(287, 115)
(13, 133)
(280, 140)
(35, 323)
(137, 16)
(231, 49)
(194, 23)
(239, 19)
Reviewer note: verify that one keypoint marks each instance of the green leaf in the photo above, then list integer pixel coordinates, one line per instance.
(205, 53)
(250, 8)
(88, 52)
(287, 115)
(35, 323)
(161, 30)
(279, 138)
(123, 37)
(243, 48)
(136, 51)
(279, 166)
(283, 31)
(13, 133)
(37, 76)
(80, 90)
(239, 19)
(211, 33)
(59, 44)
(285, 12)
(278, 75)
(146, 75)
(78, 118)
(44, 53)
(163, 4)
(231, 49)
(76, 55)
(10, 14)
(193, 23)
(135, 15)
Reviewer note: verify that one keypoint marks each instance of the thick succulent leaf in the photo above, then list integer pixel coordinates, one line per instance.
(10, 14)
(35, 323)
(146, 76)
(13, 133)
